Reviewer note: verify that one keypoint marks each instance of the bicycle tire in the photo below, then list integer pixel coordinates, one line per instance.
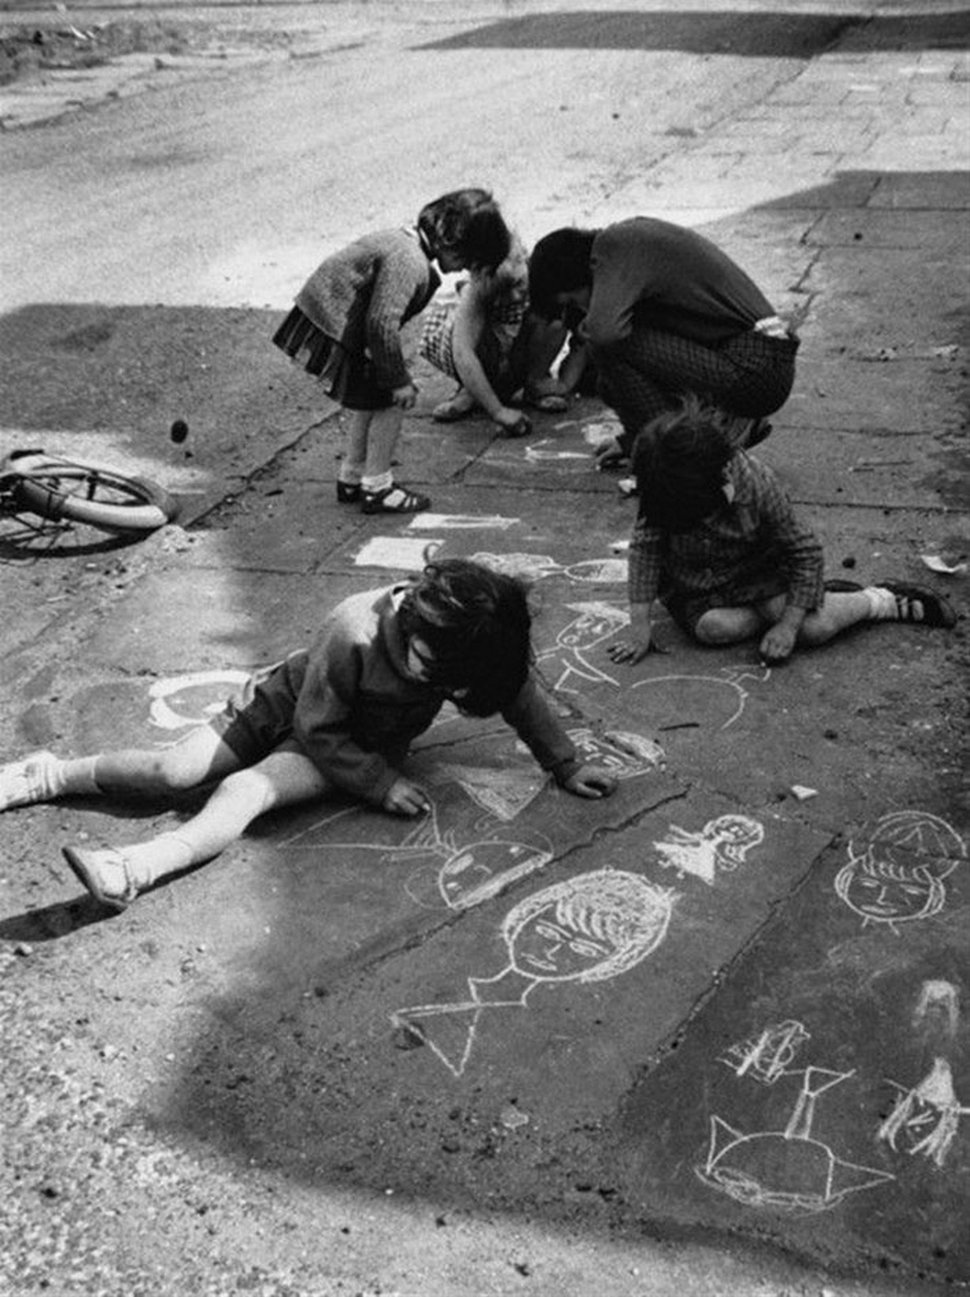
(76, 491)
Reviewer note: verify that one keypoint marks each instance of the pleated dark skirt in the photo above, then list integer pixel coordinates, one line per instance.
(347, 378)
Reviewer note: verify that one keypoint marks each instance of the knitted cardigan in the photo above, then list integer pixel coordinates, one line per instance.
(362, 295)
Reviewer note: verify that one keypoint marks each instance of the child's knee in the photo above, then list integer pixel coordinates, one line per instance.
(175, 770)
(723, 626)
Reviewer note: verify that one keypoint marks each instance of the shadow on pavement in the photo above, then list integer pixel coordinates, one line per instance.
(751, 35)
(328, 933)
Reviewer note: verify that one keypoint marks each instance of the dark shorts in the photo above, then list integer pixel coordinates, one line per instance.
(348, 378)
(260, 719)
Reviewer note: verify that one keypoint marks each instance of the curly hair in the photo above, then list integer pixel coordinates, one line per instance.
(468, 223)
(476, 626)
(679, 460)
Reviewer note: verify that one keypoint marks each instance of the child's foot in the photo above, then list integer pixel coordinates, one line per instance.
(459, 407)
(348, 492)
(32, 779)
(106, 873)
(394, 499)
(914, 603)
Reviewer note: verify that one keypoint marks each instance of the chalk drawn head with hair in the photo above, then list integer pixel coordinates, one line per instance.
(587, 929)
(898, 875)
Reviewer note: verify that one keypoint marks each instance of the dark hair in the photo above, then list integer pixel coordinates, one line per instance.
(476, 625)
(679, 460)
(467, 222)
(560, 263)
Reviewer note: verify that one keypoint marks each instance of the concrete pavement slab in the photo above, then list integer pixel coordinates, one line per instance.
(816, 1098)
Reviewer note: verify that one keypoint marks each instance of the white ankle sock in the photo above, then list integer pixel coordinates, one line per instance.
(77, 775)
(164, 855)
(379, 482)
(882, 604)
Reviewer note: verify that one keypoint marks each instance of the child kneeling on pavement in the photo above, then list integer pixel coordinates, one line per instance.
(335, 718)
(717, 541)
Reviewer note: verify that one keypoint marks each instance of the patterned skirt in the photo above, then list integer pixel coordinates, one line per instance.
(348, 378)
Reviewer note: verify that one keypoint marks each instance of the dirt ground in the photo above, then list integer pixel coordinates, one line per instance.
(30, 50)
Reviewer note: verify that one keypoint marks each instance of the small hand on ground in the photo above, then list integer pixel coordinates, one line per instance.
(406, 798)
(591, 781)
(513, 422)
(632, 651)
(777, 643)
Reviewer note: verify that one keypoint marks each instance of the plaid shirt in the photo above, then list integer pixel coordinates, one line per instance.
(754, 537)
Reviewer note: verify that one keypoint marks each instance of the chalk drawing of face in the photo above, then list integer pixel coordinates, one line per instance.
(898, 875)
(624, 754)
(594, 623)
(480, 870)
(586, 929)
(925, 1119)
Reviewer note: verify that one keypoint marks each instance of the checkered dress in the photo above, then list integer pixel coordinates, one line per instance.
(750, 550)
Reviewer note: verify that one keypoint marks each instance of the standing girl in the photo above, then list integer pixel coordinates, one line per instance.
(345, 329)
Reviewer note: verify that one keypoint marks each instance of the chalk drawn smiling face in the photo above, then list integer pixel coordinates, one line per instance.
(898, 874)
(595, 623)
(588, 928)
(482, 869)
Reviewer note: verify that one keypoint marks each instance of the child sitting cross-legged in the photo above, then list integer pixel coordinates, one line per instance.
(336, 718)
(717, 541)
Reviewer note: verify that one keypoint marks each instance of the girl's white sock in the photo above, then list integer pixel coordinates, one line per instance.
(379, 482)
(882, 604)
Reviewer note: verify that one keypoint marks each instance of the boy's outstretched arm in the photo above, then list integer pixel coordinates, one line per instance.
(542, 732)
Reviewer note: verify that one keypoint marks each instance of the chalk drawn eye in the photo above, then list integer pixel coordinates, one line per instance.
(913, 891)
(548, 931)
(587, 949)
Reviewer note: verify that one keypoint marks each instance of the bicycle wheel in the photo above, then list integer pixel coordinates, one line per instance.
(79, 492)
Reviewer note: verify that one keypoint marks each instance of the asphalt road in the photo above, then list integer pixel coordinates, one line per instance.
(219, 1091)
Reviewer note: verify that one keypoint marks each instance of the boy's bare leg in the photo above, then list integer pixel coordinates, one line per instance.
(115, 875)
(43, 777)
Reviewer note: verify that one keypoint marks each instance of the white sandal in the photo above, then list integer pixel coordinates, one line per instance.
(98, 870)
